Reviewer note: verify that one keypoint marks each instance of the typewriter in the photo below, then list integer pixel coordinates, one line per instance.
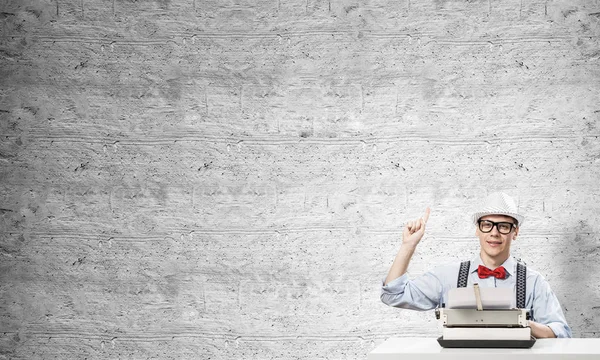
(482, 318)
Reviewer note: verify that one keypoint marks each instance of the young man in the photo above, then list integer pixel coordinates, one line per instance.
(497, 226)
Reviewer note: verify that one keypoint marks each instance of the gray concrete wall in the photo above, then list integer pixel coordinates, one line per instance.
(228, 179)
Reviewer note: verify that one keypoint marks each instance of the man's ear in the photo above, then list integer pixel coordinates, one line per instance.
(516, 233)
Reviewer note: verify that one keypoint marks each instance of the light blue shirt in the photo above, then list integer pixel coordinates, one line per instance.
(430, 290)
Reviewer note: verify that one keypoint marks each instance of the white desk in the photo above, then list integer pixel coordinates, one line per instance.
(429, 349)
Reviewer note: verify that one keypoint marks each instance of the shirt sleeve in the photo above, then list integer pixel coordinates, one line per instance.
(547, 309)
(423, 293)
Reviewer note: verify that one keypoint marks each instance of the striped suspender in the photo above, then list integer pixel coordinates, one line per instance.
(463, 276)
(521, 287)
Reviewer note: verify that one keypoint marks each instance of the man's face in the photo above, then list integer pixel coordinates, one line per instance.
(493, 243)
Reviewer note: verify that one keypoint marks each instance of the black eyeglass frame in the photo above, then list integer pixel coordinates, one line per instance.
(512, 226)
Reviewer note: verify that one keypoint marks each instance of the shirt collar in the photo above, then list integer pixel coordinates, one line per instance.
(510, 265)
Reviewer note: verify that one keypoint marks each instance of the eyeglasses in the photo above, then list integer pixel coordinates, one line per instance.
(504, 228)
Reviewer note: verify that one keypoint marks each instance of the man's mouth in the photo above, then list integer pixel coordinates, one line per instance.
(494, 243)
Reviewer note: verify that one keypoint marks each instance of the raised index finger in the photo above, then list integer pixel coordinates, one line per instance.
(426, 216)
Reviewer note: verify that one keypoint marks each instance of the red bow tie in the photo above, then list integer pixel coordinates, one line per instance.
(483, 272)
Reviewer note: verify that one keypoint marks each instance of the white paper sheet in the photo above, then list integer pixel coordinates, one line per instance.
(491, 298)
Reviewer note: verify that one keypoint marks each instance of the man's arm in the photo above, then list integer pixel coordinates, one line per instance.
(547, 312)
(425, 291)
(540, 331)
(412, 234)
(400, 263)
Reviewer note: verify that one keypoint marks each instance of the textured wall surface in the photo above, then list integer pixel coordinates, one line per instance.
(228, 179)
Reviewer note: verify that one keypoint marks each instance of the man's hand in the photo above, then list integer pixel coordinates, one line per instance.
(414, 230)
(412, 234)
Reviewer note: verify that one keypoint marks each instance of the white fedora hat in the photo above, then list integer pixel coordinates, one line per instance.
(498, 203)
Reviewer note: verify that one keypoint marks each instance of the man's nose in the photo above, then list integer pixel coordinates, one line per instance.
(495, 230)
